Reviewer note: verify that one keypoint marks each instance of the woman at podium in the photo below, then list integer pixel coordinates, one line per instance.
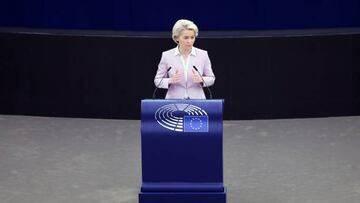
(185, 69)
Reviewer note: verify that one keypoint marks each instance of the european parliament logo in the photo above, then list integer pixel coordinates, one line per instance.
(183, 118)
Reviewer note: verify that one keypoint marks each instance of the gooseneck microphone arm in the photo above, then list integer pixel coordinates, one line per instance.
(210, 93)
(157, 86)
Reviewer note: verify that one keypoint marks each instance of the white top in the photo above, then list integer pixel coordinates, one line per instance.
(185, 64)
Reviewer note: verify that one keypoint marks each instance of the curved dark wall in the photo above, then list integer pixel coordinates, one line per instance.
(161, 14)
(106, 76)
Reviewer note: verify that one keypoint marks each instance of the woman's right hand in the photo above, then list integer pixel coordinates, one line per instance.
(176, 78)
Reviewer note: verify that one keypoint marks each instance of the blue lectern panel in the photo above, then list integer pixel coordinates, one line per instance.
(182, 159)
(182, 141)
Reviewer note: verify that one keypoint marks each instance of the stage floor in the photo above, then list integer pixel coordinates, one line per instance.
(70, 160)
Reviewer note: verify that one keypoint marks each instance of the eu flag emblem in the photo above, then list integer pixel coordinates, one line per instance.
(196, 124)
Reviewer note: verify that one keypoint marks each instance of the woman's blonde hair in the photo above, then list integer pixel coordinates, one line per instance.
(182, 25)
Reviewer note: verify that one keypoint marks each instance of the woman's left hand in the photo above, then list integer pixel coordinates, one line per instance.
(196, 77)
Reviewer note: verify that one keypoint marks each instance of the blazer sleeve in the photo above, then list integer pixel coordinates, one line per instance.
(208, 73)
(161, 79)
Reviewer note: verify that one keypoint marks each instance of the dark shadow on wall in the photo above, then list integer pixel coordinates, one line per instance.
(260, 76)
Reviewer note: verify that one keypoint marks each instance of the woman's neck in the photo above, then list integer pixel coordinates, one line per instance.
(184, 52)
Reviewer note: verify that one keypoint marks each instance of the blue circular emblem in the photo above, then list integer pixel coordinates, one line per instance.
(171, 116)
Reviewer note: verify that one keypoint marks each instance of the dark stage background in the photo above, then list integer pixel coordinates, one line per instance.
(261, 75)
(88, 58)
(143, 15)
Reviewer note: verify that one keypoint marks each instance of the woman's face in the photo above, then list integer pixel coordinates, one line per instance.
(186, 39)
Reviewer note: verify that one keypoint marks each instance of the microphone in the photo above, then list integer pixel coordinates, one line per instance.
(157, 86)
(210, 93)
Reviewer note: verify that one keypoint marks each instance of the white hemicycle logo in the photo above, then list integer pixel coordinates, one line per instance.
(182, 118)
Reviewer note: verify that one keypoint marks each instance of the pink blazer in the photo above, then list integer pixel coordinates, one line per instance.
(178, 91)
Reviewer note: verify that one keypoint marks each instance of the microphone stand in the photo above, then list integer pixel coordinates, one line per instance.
(210, 93)
(157, 86)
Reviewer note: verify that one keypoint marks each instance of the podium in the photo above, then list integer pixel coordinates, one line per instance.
(182, 151)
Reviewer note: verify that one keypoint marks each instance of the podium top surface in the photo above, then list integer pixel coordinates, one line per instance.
(183, 100)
